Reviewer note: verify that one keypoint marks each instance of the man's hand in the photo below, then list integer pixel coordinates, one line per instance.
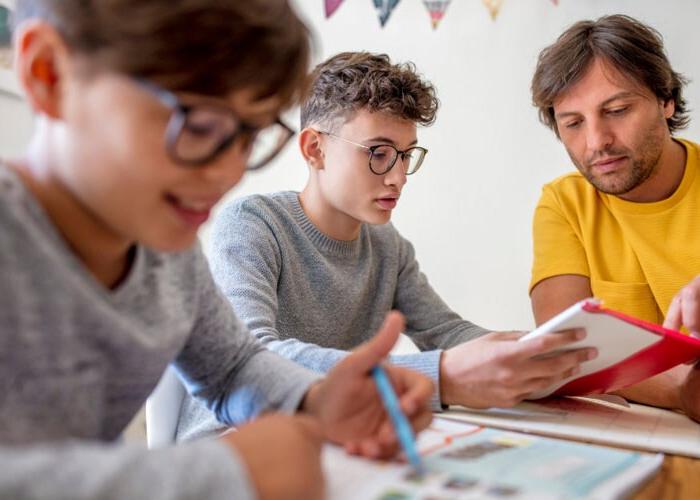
(497, 370)
(685, 309)
(690, 393)
(348, 405)
(283, 456)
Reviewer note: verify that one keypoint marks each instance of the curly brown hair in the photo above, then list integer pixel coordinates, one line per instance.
(633, 48)
(350, 81)
(203, 46)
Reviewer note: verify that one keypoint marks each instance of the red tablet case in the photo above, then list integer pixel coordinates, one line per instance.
(671, 348)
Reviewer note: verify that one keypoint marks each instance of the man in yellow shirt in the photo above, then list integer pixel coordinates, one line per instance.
(625, 227)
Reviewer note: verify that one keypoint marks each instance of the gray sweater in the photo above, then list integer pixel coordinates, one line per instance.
(311, 298)
(78, 361)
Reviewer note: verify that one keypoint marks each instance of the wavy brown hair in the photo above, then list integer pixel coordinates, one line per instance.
(631, 47)
(203, 46)
(350, 81)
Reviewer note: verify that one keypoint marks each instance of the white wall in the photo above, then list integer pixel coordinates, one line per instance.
(468, 211)
(15, 125)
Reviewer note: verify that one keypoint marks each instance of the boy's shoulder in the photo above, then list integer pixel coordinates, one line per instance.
(19, 211)
(262, 205)
(256, 214)
(12, 190)
(388, 238)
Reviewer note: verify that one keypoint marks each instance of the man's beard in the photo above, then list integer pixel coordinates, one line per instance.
(643, 163)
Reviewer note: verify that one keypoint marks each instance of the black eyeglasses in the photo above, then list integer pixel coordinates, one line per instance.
(382, 157)
(196, 134)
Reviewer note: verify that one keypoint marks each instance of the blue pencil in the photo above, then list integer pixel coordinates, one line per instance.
(398, 419)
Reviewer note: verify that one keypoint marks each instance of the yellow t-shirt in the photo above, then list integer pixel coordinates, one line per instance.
(637, 255)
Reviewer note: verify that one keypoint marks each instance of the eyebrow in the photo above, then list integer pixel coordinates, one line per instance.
(620, 95)
(386, 140)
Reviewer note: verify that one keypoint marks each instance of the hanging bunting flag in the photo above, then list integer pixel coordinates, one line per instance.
(494, 6)
(384, 9)
(436, 9)
(332, 6)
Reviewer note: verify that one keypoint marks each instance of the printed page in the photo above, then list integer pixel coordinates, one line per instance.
(591, 420)
(472, 462)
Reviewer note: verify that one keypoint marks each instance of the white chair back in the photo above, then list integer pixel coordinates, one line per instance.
(163, 410)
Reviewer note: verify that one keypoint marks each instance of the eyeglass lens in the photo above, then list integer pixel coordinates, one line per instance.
(383, 159)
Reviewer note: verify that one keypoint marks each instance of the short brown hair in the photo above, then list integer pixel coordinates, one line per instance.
(202, 46)
(350, 81)
(630, 46)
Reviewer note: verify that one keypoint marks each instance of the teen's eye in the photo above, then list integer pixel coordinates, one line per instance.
(573, 124)
(202, 129)
(617, 111)
(379, 155)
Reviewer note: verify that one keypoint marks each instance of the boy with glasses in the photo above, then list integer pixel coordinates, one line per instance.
(138, 132)
(313, 273)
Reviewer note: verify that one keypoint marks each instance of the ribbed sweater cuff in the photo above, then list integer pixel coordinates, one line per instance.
(427, 363)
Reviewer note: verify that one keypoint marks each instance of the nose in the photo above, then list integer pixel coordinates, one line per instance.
(397, 175)
(599, 137)
(227, 169)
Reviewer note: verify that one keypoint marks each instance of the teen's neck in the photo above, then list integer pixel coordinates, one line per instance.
(106, 256)
(665, 179)
(329, 220)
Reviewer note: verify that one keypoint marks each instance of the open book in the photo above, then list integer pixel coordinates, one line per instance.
(629, 350)
(467, 462)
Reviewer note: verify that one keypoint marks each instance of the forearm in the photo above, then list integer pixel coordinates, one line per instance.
(112, 472)
(321, 359)
(268, 382)
(662, 390)
(311, 356)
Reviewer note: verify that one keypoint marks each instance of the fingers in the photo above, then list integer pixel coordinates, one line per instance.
(538, 384)
(674, 318)
(685, 309)
(690, 309)
(560, 365)
(539, 373)
(376, 349)
(371, 448)
(413, 389)
(548, 342)
(421, 420)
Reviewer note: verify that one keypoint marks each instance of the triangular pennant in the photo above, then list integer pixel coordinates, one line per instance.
(436, 9)
(332, 6)
(494, 7)
(384, 9)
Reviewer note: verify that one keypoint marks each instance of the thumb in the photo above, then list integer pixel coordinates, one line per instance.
(372, 352)
(674, 317)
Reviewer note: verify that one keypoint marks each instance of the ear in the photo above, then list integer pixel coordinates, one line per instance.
(41, 60)
(669, 108)
(310, 143)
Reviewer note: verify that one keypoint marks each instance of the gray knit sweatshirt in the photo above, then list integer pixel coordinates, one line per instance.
(311, 298)
(77, 361)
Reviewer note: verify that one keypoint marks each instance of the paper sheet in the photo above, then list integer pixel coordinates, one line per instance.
(472, 462)
(637, 426)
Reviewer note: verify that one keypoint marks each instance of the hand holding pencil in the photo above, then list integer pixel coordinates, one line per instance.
(350, 407)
